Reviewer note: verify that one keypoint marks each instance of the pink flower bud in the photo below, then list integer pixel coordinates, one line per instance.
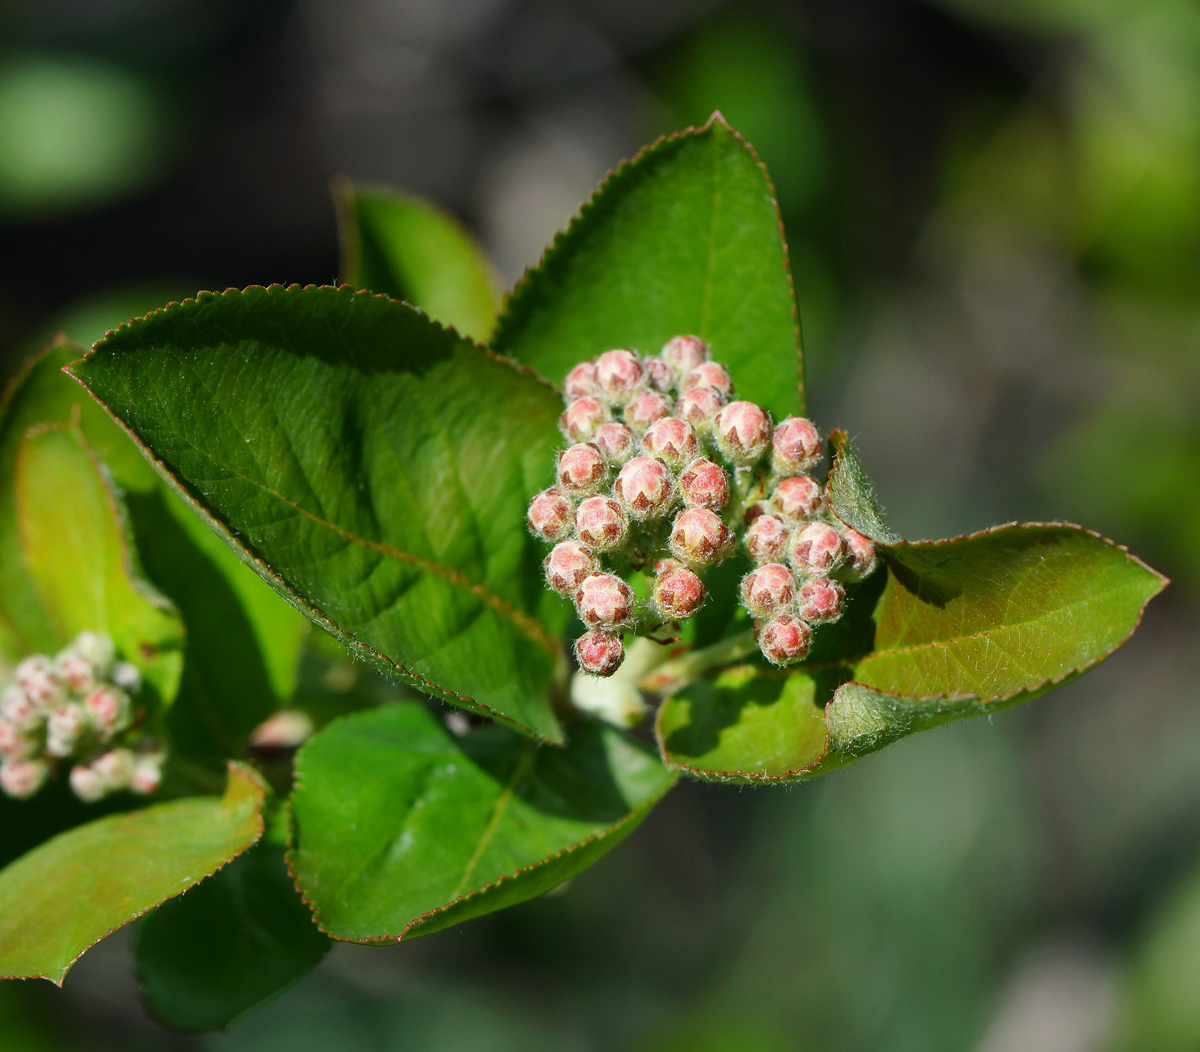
(581, 418)
(19, 709)
(784, 639)
(604, 601)
(704, 484)
(615, 441)
(709, 374)
(147, 774)
(819, 600)
(678, 593)
(767, 539)
(109, 711)
(815, 549)
(115, 768)
(96, 648)
(664, 565)
(64, 728)
(684, 353)
(644, 488)
(599, 653)
(75, 670)
(15, 745)
(87, 784)
(600, 523)
(672, 440)
(285, 729)
(581, 469)
(699, 406)
(619, 374)
(20, 779)
(568, 563)
(796, 445)
(699, 537)
(647, 407)
(581, 382)
(861, 558)
(551, 515)
(768, 590)
(36, 675)
(659, 374)
(743, 432)
(796, 498)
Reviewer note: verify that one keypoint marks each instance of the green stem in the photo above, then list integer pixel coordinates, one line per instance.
(672, 676)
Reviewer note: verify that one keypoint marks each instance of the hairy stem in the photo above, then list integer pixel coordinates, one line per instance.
(672, 676)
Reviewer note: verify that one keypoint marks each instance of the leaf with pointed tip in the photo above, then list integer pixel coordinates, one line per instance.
(64, 896)
(409, 249)
(851, 495)
(685, 238)
(371, 465)
(400, 828)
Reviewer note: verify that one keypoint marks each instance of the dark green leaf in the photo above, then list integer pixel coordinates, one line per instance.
(66, 895)
(685, 238)
(411, 250)
(851, 494)
(401, 829)
(371, 465)
(232, 942)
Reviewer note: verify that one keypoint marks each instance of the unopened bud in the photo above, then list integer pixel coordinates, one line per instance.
(619, 374)
(819, 600)
(673, 440)
(861, 557)
(678, 593)
(599, 652)
(581, 469)
(699, 406)
(784, 639)
(796, 498)
(147, 774)
(115, 768)
(815, 549)
(709, 374)
(75, 670)
(684, 353)
(768, 590)
(285, 729)
(767, 539)
(551, 515)
(109, 711)
(14, 744)
(604, 601)
(644, 488)
(36, 675)
(97, 648)
(647, 407)
(20, 779)
(704, 484)
(659, 374)
(600, 523)
(795, 445)
(581, 418)
(87, 784)
(699, 538)
(616, 441)
(64, 727)
(743, 432)
(568, 563)
(581, 382)
(127, 676)
(19, 709)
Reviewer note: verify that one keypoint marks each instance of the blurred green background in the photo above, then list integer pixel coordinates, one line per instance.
(994, 217)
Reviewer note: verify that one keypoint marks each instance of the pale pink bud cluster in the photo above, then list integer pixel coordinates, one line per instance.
(75, 706)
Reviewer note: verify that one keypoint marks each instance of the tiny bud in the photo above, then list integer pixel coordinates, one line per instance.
(599, 653)
(699, 537)
(97, 648)
(20, 779)
(709, 374)
(15, 745)
(568, 563)
(619, 374)
(819, 600)
(19, 709)
(678, 593)
(684, 353)
(768, 590)
(644, 488)
(581, 382)
(75, 670)
(795, 445)
(673, 440)
(126, 676)
(147, 774)
(659, 374)
(604, 601)
(37, 677)
(704, 484)
(815, 549)
(796, 498)
(550, 515)
(285, 729)
(600, 523)
(109, 711)
(115, 768)
(64, 727)
(743, 432)
(646, 408)
(581, 469)
(784, 639)
(861, 556)
(615, 441)
(699, 406)
(87, 784)
(664, 565)
(581, 418)
(767, 539)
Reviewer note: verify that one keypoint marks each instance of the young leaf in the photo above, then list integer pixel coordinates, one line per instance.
(232, 942)
(371, 465)
(411, 250)
(685, 238)
(66, 895)
(851, 495)
(401, 829)
(81, 562)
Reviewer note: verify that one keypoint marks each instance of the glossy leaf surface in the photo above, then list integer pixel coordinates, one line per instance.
(400, 828)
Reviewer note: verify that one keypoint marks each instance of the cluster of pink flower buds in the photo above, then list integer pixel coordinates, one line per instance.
(75, 706)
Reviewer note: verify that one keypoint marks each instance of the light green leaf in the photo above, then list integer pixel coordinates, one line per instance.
(66, 895)
(401, 829)
(851, 495)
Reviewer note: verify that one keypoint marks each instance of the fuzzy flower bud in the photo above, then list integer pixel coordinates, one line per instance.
(581, 469)
(619, 374)
(861, 558)
(126, 676)
(115, 768)
(599, 652)
(581, 382)
(672, 440)
(75, 670)
(767, 539)
(644, 488)
(796, 498)
(600, 523)
(20, 779)
(678, 593)
(582, 417)
(647, 407)
(699, 406)
(568, 563)
(615, 441)
(795, 445)
(109, 711)
(550, 515)
(709, 374)
(64, 728)
(768, 590)
(704, 484)
(684, 353)
(659, 374)
(36, 675)
(819, 600)
(147, 774)
(15, 745)
(604, 601)
(815, 549)
(19, 709)
(743, 432)
(784, 639)
(97, 648)
(699, 538)
(87, 784)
